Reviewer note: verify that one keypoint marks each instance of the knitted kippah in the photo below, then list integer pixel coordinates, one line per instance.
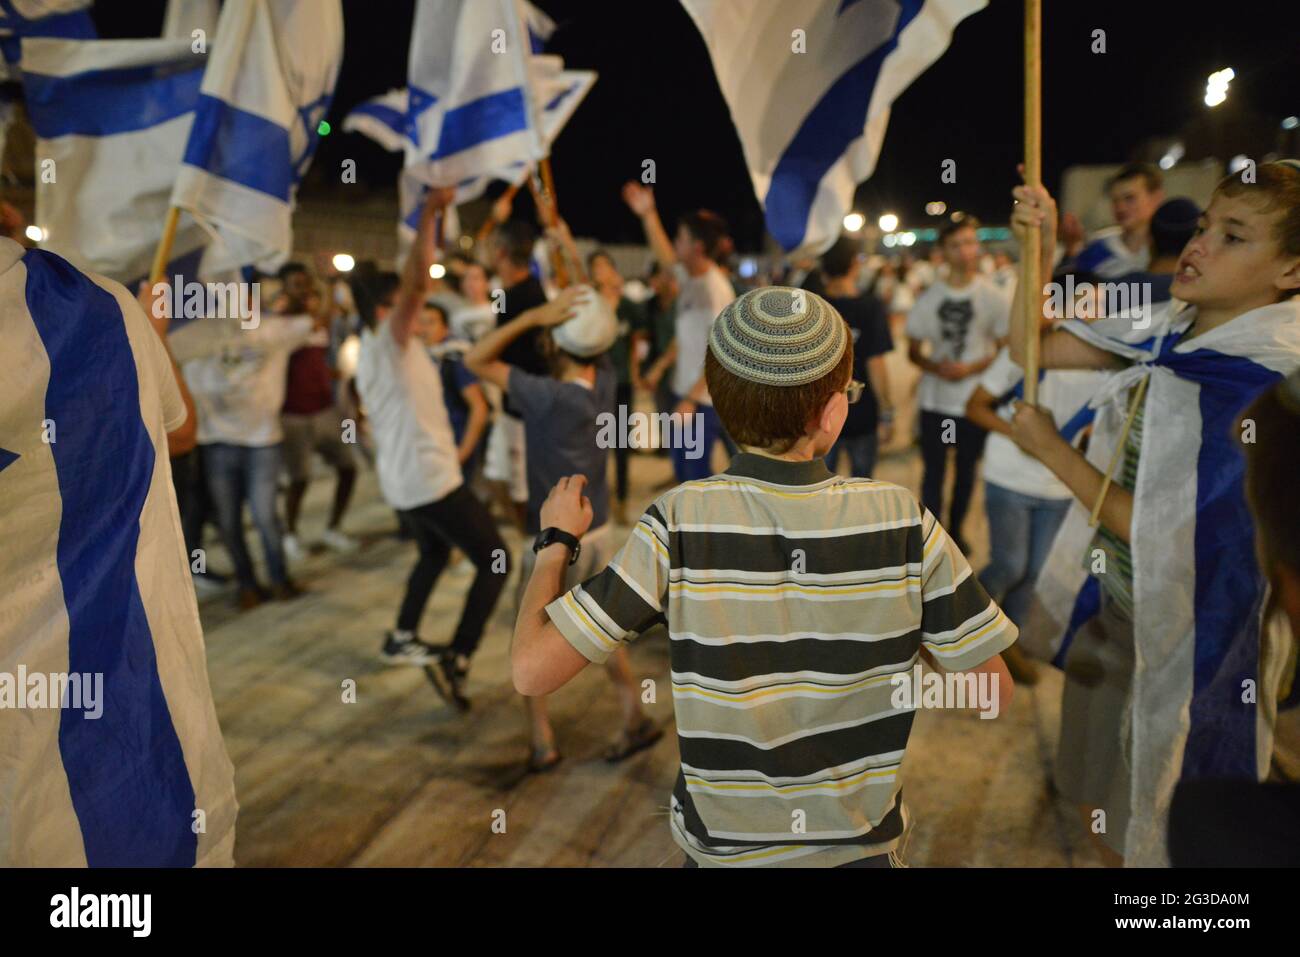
(779, 336)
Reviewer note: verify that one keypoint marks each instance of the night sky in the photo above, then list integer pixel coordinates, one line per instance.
(657, 98)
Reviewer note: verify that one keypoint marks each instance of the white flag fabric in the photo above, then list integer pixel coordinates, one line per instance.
(812, 119)
(1199, 596)
(183, 17)
(111, 119)
(269, 81)
(111, 752)
(471, 105)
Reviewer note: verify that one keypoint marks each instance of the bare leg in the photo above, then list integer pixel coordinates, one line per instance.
(619, 670)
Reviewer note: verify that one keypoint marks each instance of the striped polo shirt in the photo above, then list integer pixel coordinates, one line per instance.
(791, 596)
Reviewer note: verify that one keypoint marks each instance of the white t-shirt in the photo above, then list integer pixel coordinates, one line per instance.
(238, 376)
(702, 297)
(415, 450)
(961, 325)
(1065, 393)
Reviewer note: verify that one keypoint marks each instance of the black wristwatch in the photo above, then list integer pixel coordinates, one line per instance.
(549, 536)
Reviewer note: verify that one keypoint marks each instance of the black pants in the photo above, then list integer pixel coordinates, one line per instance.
(968, 440)
(622, 454)
(192, 499)
(459, 519)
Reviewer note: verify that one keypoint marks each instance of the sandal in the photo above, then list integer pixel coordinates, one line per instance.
(539, 762)
(631, 741)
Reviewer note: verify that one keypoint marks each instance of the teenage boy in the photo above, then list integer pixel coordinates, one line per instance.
(694, 254)
(797, 601)
(952, 334)
(561, 414)
(1136, 192)
(871, 420)
(419, 466)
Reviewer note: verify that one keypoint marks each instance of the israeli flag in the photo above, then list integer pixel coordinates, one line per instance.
(268, 84)
(111, 119)
(112, 754)
(471, 105)
(810, 84)
(383, 119)
(1199, 595)
(61, 19)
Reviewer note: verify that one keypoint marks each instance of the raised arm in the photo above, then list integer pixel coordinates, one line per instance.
(1035, 209)
(415, 274)
(483, 357)
(641, 200)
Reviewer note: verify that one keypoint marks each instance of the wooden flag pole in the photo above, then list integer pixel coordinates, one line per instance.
(550, 216)
(162, 256)
(1030, 267)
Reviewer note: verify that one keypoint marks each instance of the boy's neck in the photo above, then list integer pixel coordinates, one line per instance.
(801, 452)
(960, 277)
(1136, 239)
(575, 372)
(1213, 317)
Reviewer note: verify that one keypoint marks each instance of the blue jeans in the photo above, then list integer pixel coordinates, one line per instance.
(706, 429)
(861, 450)
(237, 473)
(1021, 530)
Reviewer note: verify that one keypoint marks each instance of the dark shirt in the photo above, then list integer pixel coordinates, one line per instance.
(310, 388)
(525, 352)
(869, 326)
(630, 317)
(455, 380)
(562, 435)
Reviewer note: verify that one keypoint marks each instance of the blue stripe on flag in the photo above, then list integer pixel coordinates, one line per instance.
(76, 25)
(836, 121)
(126, 770)
(1229, 585)
(109, 102)
(478, 121)
(241, 147)
(1086, 605)
(1078, 422)
(395, 120)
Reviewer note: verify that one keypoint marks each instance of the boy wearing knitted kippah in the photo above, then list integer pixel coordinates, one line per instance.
(799, 604)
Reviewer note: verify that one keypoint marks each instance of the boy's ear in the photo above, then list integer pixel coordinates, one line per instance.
(1289, 281)
(826, 421)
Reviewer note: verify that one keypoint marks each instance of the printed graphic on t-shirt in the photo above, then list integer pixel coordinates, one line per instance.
(955, 317)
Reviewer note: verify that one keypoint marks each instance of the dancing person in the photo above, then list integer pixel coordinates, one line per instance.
(952, 335)
(1135, 192)
(608, 282)
(462, 393)
(870, 421)
(562, 413)
(419, 467)
(311, 420)
(694, 255)
(779, 584)
(1157, 613)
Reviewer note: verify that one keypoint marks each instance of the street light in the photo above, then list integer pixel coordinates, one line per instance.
(1216, 87)
(854, 222)
(35, 233)
(437, 271)
(343, 262)
(888, 223)
(937, 208)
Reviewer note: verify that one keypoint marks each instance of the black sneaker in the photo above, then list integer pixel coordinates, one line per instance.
(447, 675)
(411, 651)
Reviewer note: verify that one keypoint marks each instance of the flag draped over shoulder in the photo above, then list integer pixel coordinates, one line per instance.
(112, 754)
(811, 123)
(1198, 592)
(269, 81)
(111, 119)
(471, 104)
(19, 19)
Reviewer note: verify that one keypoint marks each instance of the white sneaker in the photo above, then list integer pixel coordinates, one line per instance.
(333, 538)
(293, 551)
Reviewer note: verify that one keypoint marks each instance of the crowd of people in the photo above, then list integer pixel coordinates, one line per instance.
(794, 584)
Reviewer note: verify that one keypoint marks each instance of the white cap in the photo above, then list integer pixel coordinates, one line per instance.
(590, 332)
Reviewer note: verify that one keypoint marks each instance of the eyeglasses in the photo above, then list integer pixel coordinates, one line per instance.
(854, 390)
